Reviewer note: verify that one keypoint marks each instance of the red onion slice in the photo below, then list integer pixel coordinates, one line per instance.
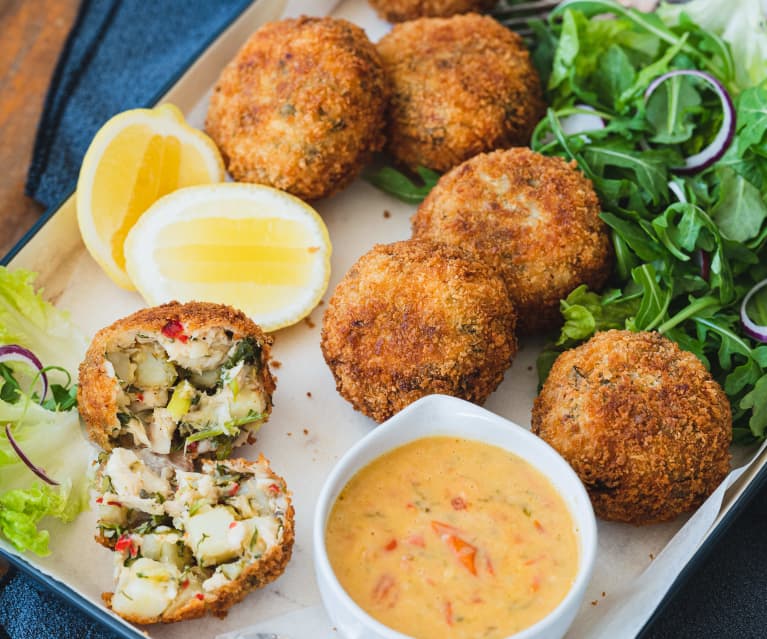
(16, 353)
(35, 469)
(721, 141)
(678, 191)
(751, 328)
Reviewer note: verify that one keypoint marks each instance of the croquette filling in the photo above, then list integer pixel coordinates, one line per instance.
(196, 392)
(184, 535)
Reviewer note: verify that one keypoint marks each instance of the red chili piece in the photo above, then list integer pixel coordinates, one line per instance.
(100, 500)
(386, 591)
(449, 613)
(416, 540)
(124, 543)
(200, 596)
(464, 552)
(458, 503)
(234, 489)
(391, 545)
(175, 330)
(274, 489)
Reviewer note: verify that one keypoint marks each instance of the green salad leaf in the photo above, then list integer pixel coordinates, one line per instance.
(401, 186)
(740, 23)
(49, 434)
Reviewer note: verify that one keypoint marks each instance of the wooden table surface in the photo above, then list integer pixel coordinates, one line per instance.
(32, 33)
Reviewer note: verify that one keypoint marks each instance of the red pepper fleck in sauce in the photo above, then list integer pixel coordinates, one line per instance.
(391, 545)
(200, 596)
(416, 540)
(449, 613)
(100, 500)
(185, 583)
(385, 591)
(465, 552)
(175, 330)
(233, 524)
(234, 489)
(114, 503)
(458, 503)
(274, 489)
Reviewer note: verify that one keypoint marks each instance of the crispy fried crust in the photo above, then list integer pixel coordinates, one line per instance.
(642, 422)
(255, 576)
(96, 392)
(301, 106)
(461, 86)
(401, 10)
(534, 219)
(414, 318)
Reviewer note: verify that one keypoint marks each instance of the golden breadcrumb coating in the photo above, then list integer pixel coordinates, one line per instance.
(534, 219)
(254, 576)
(414, 318)
(461, 86)
(97, 388)
(641, 421)
(401, 10)
(301, 106)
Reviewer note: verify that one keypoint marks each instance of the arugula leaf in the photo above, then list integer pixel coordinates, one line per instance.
(740, 211)
(399, 185)
(669, 110)
(756, 401)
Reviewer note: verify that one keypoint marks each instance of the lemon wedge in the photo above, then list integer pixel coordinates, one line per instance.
(135, 158)
(250, 246)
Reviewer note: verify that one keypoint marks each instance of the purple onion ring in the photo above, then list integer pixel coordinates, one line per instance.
(751, 328)
(35, 469)
(16, 353)
(717, 147)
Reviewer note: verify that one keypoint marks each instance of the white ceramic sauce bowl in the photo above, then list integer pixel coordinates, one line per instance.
(442, 415)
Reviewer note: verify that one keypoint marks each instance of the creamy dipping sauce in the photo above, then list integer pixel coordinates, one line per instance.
(452, 538)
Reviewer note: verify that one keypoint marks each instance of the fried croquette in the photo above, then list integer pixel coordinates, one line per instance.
(186, 379)
(534, 219)
(301, 107)
(189, 542)
(414, 318)
(460, 86)
(401, 10)
(641, 421)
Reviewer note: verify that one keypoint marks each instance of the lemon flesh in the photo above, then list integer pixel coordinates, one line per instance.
(249, 246)
(137, 157)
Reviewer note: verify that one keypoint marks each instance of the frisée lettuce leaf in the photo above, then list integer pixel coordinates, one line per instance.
(740, 23)
(49, 434)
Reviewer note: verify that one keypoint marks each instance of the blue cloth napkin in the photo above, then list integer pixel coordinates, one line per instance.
(122, 54)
